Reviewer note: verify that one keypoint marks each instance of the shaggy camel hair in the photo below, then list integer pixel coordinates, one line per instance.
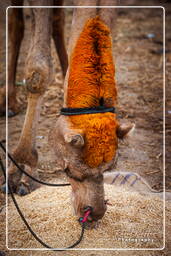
(91, 83)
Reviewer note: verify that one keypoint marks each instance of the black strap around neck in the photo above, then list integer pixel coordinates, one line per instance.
(81, 111)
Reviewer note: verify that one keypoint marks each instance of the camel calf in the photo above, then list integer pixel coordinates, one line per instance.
(85, 144)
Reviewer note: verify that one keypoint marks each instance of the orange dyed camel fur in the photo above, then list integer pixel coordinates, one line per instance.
(91, 83)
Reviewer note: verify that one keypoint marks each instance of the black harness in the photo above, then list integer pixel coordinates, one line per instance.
(82, 111)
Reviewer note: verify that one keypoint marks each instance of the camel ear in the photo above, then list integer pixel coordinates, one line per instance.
(75, 139)
(124, 130)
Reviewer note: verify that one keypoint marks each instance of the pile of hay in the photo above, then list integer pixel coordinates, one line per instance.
(132, 221)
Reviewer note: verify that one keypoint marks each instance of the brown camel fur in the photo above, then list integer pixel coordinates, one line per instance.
(85, 146)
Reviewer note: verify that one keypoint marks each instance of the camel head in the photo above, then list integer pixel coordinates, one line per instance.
(71, 146)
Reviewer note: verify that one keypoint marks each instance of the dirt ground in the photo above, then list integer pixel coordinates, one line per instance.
(137, 50)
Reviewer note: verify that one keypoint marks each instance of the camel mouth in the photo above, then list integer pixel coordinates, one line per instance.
(90, 218)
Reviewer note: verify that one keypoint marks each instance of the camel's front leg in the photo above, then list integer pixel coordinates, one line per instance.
(37, 77)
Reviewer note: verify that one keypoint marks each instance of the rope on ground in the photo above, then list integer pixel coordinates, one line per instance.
(28, 226)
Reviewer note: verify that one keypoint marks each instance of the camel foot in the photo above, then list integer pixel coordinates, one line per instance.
(23, 190)
(14, 107)
(4, 189)
(19, 183)
(11, 113)
(13, 181)
(26, 188)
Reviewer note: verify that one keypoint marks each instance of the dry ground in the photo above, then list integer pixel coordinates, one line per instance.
(139, 74)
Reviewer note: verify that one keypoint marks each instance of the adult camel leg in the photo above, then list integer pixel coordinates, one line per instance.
(16, 34)
(38, 66)
(108, 15)
(58, 35)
